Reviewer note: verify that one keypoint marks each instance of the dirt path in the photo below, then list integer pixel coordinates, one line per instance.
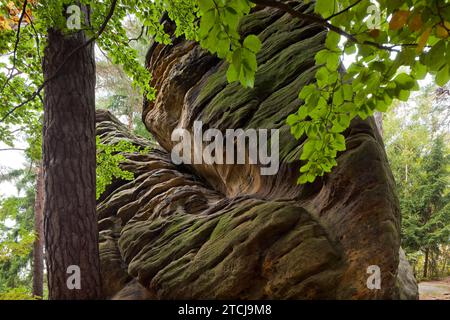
(435, 290)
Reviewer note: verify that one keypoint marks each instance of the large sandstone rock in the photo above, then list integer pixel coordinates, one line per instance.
(225, 231)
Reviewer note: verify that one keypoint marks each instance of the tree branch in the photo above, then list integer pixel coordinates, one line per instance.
(344, 10)
(36, 35)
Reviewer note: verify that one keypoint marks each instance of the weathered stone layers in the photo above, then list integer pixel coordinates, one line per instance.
(225, 231)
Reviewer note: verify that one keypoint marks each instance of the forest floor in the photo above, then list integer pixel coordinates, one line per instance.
(435, 290)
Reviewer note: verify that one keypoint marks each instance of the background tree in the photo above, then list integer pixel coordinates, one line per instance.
(28, 27)
(38, 246)
(418, 149)
(22, 257)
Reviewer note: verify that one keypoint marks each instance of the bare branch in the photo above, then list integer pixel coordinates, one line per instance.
(138, 37)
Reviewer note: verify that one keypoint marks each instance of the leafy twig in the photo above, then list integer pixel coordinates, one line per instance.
(68, 57)
(317, 19)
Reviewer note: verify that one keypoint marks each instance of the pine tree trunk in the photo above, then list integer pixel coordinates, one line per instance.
(425, 263)
(38, 246)
(69, 160)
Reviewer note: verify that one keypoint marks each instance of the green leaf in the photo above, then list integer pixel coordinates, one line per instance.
(338, 97)
(297, 131)
(322, 77)
(322, 56)
(333, 61)
(404, 81)
(308, 149)
(348, 92)
(435, 58)
(312, 101)
(404, 95)
(249, 61)
(252, 43)
(208, 21)
(324, 7)
(302, 179)
(419, 70)
(206, 5)
(350, 49)
(381, 105)
(344, 120)
(306, 91)
(339, 142)
(302, 113)
(332, 39)
(292, 119)
(232, 74)
(443, 76)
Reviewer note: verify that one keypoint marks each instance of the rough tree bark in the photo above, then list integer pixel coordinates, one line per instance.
(69, 160)
(38, 246)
